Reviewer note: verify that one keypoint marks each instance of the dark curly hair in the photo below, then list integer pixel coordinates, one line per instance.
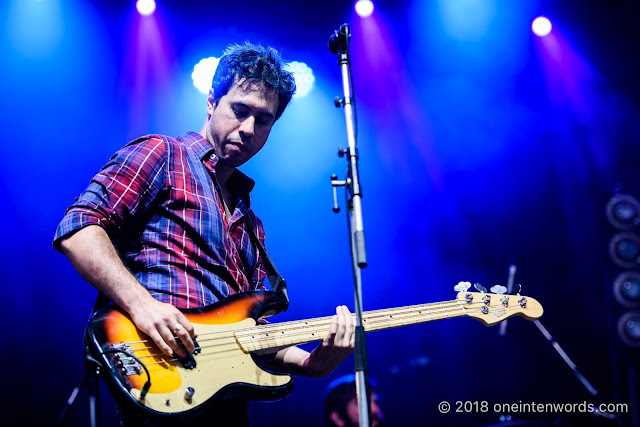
(339, 393)
(257, 64)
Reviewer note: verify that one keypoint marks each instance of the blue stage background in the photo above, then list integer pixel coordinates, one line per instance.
(479, 142)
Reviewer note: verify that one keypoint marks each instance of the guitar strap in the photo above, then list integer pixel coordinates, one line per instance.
(278, 284)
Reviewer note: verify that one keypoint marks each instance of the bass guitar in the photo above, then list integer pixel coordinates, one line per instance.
(222, 365)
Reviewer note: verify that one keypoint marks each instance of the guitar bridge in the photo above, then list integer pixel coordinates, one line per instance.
(122, 359)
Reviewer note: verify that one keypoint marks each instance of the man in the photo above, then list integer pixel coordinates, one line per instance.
(341, 404)
(162, 226)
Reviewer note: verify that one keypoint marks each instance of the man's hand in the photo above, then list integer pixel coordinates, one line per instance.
(336, 346)
(332, 351)
(162, 322)
(91, 252)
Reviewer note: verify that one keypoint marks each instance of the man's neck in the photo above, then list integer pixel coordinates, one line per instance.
(223, 173)
(222, 176)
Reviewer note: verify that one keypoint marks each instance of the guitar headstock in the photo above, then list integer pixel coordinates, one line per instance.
(490, 308)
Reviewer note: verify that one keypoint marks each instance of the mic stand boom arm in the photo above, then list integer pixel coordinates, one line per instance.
(339, 44)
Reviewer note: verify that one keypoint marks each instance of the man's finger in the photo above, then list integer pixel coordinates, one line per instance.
(160, 342)
(184, 336)
(168, 334)
(333, 328)
(187, 325)
(347, 329)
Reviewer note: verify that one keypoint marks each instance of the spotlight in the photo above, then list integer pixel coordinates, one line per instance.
(626, 289)
(146, 7)
(541, 26)
(364, 8)
(629, 328)
(203, 72)
(624, 249)
(303, 76)
(623, 212)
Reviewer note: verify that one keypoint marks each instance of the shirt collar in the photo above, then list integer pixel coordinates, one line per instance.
(205, 151)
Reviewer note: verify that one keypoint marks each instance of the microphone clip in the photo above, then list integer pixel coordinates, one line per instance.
(339, 40)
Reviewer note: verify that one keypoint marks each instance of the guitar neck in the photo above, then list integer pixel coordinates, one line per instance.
(266, 338)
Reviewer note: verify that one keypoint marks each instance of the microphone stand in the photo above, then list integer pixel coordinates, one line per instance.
(339, 44)
(565, 357)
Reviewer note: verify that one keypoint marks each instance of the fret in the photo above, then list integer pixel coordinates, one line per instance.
(390, 318)
(277, 335)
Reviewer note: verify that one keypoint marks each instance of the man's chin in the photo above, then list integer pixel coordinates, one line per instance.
(233, 160)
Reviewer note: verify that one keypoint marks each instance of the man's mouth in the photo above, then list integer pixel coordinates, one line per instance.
(241, 146)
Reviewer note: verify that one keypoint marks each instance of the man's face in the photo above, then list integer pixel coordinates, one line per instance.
(353, 419)
(240, 121)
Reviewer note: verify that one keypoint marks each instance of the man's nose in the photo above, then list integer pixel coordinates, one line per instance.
(247, 126)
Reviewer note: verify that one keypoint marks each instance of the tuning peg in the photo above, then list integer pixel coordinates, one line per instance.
(516, 289)
(497, 289)
(462, 286)
(480, 288)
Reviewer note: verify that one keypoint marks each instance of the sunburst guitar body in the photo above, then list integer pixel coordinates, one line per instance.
(223, 365)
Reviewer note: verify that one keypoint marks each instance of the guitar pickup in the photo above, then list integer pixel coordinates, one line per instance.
(189, 362)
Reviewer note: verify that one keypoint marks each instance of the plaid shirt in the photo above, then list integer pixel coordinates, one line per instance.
(158, 202)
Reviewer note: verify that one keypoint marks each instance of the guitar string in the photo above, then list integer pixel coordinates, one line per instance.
(306, 330)
(234, 348)
(321, 324)
(370, 317)
(321, 321)
(234, 343)
(319, 328)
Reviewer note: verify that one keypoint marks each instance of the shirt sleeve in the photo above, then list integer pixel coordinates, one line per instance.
(122, 192)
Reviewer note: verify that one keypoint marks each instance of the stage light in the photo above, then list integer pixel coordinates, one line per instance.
(624, 249)
(623, 212)
(364, 8)
(203, 72)
(629, 328)
(541, 26)
(626, 289)
(303, 76)
(146, 7)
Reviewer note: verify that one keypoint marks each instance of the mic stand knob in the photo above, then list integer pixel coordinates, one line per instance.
(336, 183)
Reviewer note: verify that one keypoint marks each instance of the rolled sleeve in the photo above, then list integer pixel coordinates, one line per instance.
(121, 192)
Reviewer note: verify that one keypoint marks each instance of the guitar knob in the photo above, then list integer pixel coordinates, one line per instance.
(188, 393)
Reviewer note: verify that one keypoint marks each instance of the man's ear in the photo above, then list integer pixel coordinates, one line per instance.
(211, 102)
(335, 418)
